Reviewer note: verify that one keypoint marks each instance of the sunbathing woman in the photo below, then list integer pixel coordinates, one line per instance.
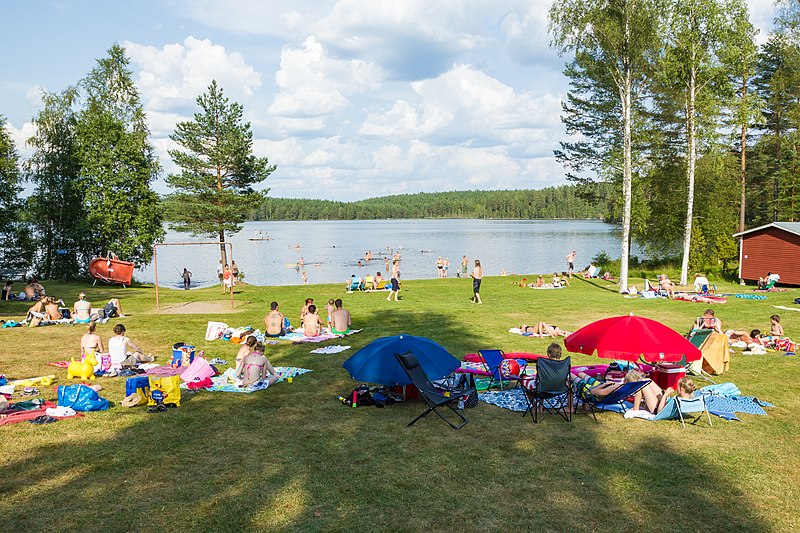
(736, 336)
(256, 367)
(91, 343)
(593, 390)
(245, 349)
(542, 328)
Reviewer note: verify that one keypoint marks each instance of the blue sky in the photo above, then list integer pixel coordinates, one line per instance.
(350, 98)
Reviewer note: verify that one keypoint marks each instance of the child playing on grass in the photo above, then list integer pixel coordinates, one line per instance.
(776, 330)
(256, 367)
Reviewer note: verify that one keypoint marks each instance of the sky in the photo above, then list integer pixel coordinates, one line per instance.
(351, 99)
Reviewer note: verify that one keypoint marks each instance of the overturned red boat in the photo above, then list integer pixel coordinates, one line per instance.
(111, 270)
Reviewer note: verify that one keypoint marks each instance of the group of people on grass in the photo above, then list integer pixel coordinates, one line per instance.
(651, 398)
(338, 319)
(33, 290)
(48, 309)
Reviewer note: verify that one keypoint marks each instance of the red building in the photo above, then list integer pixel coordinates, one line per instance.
(772, 248)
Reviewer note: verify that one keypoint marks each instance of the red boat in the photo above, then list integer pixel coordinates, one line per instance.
(111, 270)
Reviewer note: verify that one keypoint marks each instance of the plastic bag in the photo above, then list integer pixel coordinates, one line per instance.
(81, 398)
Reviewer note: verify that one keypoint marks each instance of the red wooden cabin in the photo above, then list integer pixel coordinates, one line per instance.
(772, 248)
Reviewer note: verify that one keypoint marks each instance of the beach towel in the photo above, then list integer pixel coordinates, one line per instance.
(514, 399)
(226, 382)
(13, 417)
(786, 308)
(298, 336)
(752, 296)
(336, 348)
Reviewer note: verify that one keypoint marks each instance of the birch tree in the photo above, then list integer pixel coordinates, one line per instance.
(615, 43)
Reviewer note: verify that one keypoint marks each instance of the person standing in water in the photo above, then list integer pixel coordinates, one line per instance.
(477, 276)
(187, 279)
(464, 265)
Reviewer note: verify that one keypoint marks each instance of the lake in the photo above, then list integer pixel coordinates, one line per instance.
(331, 249)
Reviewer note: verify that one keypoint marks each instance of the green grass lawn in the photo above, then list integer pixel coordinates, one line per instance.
(294, 458)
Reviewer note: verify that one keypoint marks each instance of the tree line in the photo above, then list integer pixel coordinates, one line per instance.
(675, 104)
(92, 168)
(563, 202)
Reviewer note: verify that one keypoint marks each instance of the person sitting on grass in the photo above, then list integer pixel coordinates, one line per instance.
(82, 310)
(255, 367)
(274, 322)
(304, 310)
(554, 351)
(776, 330)
(7, 291)
(245, 349)
(123, 351)
(708, 321)
(91, 343)
(312, 326)
(340, 320)
(593, 390)
(607, 276)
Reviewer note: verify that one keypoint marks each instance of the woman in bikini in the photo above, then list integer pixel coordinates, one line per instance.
(245, 349)
(256, 367)
(91, 343)
(593, 390)
(542, 328)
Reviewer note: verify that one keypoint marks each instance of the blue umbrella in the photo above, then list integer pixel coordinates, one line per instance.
(375, 362)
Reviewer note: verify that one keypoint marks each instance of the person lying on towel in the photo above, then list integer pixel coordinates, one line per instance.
(593, 390)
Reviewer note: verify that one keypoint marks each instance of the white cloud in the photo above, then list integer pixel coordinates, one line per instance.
(313, 84)
(20, 138)
(172, 77)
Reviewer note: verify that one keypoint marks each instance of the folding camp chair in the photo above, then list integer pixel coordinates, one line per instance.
(493, 359)
(354, 285)
(616, 397)
(698, 338)
(429, 393)
(552, 393)
(678, 409)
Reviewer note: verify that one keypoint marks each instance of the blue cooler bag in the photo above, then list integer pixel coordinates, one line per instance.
(81, 398)
(139, 385)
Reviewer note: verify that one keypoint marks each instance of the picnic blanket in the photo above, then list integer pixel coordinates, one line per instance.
(299, 336)
(514, 399)
(336, 348)
(227, 381)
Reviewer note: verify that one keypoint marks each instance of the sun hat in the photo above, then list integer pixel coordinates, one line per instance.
(131, 400)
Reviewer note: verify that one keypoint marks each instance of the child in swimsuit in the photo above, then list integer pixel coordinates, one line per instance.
(776, 330)
(329, 308)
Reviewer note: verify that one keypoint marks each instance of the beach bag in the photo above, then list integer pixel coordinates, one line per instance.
(81, 398)
(215, 330)
(169, 387)
(139, 385)
(199, 370)
(797, 301)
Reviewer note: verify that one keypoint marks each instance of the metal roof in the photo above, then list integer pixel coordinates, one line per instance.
(791, 227)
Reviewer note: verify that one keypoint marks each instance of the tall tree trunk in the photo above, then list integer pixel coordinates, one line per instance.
(222, 252)
(691, 159)
(743, 162)
(626, 181)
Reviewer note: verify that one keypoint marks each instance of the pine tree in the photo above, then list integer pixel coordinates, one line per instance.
(214, 191)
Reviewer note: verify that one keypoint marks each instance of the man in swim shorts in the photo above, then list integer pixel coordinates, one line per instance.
(274, 322)
(340, 319)
(570, 262)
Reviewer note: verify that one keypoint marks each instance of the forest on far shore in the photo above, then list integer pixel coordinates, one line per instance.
(562, 202)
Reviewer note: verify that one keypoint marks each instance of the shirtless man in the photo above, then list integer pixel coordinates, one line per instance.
(570, 262)
(311, 323)
(274, 322)
(82, 310)
(477, 277)
(340, 319)
(51, 310)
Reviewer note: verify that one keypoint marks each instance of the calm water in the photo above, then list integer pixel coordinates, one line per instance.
(331, 249)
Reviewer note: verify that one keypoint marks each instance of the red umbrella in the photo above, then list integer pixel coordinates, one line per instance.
(630, 337)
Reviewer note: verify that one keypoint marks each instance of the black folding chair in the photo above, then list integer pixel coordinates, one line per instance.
(429, 393)
(552, 393)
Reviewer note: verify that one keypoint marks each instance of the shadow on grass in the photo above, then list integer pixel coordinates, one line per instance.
(595, 282)
(294, 458)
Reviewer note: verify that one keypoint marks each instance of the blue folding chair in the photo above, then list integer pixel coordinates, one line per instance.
(493, 360)
(616, 398)
(679, 409)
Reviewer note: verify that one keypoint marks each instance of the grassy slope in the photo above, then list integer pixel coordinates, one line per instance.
(295, 458)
